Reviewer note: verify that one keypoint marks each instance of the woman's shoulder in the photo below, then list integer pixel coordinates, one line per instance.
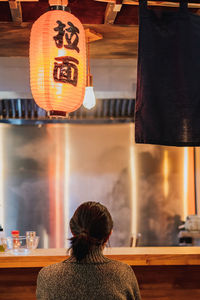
(120, 266)
(50, 269)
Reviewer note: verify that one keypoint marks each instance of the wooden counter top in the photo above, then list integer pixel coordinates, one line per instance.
(164, 273)
(139, 256)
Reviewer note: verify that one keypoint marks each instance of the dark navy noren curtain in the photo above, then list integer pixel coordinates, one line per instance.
(168, 81)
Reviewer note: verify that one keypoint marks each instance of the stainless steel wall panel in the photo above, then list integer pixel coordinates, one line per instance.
(48, 170)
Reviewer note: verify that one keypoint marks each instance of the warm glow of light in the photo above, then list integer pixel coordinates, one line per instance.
(185, 184)
(55, 176)
(166, 173)
(45, 239)
(63, 94)
(191, 182)
(66, 186)
(57, 196)
(133, 183)
(1, 180)
(197, 166)
(89, 99)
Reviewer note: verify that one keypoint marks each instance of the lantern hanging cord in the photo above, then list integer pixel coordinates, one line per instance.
(88, 46)
(89, 77)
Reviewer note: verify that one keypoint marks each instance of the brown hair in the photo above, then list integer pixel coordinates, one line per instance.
(91, 226)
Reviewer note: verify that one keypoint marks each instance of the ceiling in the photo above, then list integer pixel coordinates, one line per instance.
(115, 20)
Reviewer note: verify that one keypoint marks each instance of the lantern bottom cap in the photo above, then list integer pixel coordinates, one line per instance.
(57, 113)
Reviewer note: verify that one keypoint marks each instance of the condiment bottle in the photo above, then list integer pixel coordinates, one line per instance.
(15, 236)
(2, 236)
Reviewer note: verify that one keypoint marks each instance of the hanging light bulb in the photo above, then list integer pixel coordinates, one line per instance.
(89, 98)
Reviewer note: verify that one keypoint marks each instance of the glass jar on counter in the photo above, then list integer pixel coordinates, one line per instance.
(30, 239)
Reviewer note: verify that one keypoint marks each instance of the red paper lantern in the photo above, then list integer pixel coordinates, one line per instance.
(58, 62)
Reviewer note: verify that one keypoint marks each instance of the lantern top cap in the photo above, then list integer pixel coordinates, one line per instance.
(59, 5)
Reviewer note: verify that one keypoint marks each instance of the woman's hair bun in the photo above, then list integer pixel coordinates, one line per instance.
(80, 245)
(83, 232)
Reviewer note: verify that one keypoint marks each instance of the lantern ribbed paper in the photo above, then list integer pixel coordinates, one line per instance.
(58, 61)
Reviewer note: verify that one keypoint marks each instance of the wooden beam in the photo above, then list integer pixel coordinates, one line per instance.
(58, 2)
(16, 11)
(21, 0)
(118, 42)
(92, 36)
(111, 12)
(154, 3)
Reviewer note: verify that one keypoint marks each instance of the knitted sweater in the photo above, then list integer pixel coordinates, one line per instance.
(95, 278)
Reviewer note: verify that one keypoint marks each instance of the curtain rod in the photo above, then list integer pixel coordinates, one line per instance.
(153, 3)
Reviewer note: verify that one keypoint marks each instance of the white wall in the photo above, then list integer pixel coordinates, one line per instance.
(14, 78)
(112, 78)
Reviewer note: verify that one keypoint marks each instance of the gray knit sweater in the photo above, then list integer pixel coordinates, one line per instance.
(96, 278)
